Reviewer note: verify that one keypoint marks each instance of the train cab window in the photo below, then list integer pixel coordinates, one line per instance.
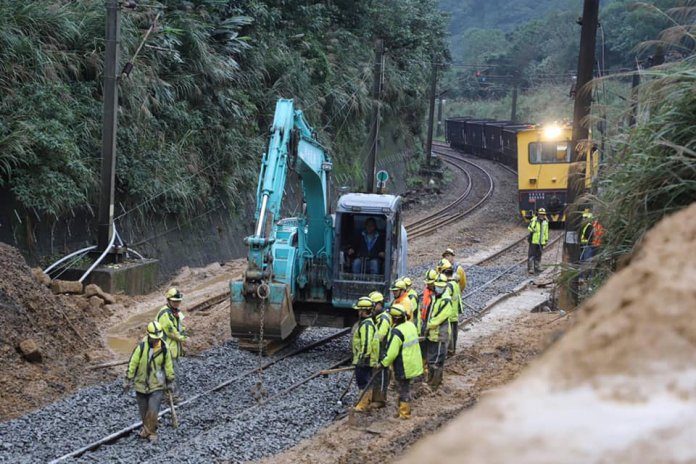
(549, 152)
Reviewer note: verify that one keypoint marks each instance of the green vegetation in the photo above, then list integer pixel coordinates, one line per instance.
(534, 45)
(194, 112)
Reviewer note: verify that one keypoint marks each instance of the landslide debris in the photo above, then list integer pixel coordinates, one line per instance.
(619, 387)
(46, 340)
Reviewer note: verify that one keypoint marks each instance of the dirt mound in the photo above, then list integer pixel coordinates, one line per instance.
(57, 333)
(619, 387)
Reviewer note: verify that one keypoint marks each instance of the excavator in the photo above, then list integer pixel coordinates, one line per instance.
(309, 270)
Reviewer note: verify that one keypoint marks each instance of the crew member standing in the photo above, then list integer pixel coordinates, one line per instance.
(365, 350)
(426, 305)
(413, 296)
(403, 352)
(538, 238)
(445, 267)
(399, 291)
(458, 270)
(152, 369)
(170, 318)
(438, 328)
(382, 319)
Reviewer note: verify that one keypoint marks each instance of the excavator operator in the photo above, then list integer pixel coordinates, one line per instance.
(366, 251)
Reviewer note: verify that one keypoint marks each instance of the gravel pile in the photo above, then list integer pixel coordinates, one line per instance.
(95, 412)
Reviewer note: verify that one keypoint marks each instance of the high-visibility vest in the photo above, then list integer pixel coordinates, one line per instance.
(539, 231)
(365, 347)
(403, 351)
(150, 367)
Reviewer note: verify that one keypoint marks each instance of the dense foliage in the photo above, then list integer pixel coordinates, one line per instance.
(497, 50)
(193, 114)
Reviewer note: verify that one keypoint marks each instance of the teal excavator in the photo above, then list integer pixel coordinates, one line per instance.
(309, 270)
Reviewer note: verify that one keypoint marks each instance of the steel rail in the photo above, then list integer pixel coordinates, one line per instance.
(414, 229)
(125, 431)
(428, 226)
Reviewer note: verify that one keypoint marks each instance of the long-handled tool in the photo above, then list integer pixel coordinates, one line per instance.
(337, 370)
(175, 420)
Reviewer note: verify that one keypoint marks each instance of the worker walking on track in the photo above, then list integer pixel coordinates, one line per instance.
(460, 275)
(538, 238)
(403, 352)
(445, 267)
(382, 319)
(152, 369)
(413, 296)
(170, 318)
(438, 328)
(365, 350)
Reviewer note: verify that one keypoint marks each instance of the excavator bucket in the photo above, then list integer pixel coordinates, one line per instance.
(247, 309)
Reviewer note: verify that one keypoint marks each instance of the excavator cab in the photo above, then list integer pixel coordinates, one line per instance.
(370, 246)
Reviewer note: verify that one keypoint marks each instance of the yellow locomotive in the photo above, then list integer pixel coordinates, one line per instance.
(541, 155)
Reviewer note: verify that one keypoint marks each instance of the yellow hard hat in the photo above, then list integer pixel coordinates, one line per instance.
(444, 265)
(154, 330)
(407, 281)
(448, 251)
(430, 276)
(376, 297)
(542, 210)
(174, 294)
(364, 303)
(441, 280)
(399, 285)
(397, 310)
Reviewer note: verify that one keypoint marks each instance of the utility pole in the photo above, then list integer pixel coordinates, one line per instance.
(440, 102)
(374, 131)
(576, 172)
(431, 113)
(513, 111)
(110, 93)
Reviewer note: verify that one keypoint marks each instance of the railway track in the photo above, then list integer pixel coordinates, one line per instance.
(430, 224)
(113, 438)
(444, 146)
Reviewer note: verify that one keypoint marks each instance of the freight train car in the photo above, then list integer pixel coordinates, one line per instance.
(541, 156)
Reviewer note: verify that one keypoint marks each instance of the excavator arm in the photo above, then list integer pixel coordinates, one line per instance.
(287, 258)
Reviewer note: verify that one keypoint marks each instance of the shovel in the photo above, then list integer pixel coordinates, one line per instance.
(175, 420)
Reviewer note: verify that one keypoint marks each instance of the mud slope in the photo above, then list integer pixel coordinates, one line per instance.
(619, 387)
(66, 334)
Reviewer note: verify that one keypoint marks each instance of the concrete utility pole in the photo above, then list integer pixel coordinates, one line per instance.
(576, 173)
(431, 113)
(513, 111)
(377, 97)
(440, 102)
(110, 93)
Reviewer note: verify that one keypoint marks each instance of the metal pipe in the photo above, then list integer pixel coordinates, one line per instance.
(67, 257)
(262, 214)
(104, 253)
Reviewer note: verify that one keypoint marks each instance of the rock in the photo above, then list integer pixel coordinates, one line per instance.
(41, 276)
(30, 350)
(95, 302)
(92, 289)
(107, 297)
(66, 286)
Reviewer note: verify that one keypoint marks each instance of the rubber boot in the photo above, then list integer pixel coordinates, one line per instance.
(364, 401)
(404, 410)
(144, 433)
(436, 378)
(530, 265)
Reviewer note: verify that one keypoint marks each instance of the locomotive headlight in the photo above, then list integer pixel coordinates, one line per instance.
(552, 132)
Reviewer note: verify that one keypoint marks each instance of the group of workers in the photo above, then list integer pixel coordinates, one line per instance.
(410, 336)
(153, 365)
(590, 236)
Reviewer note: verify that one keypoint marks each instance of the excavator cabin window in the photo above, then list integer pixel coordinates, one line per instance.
(362, 244)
